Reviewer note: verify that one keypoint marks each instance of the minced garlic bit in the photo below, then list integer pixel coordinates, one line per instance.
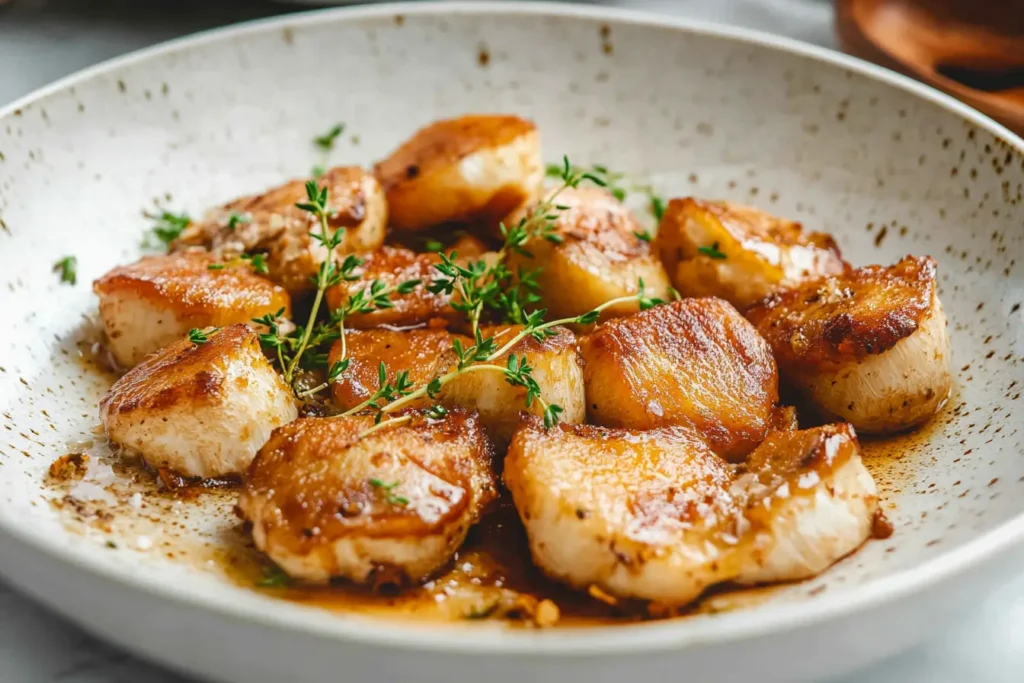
(598, 594)
(546, 614)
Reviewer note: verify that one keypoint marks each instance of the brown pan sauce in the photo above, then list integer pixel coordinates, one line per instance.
(492, 576)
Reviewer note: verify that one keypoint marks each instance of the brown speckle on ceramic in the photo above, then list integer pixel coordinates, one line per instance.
(606, 40)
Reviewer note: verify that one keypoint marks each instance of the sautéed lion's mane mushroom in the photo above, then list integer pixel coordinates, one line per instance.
(618, 389)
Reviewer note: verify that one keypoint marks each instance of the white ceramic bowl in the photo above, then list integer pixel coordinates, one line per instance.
(885, 165)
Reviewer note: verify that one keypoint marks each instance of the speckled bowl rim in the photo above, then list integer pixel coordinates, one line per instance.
(637, 638)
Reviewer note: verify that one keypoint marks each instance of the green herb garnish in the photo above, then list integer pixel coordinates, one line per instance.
(712, 251)
(657, 206)
(300, 348)
(388, 491)
(236, 219)
(258, 262)
(273, 577)
(326, 141)
(197, 336)
(482, 286)
(68, 269)
(168, 226)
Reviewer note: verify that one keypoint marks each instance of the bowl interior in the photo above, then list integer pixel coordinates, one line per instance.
(886, 172)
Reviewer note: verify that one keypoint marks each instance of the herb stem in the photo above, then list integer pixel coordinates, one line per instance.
(474, 318)
(357, 408)
(290, 372)
(393, 422)
(310, 392)
(486, 363)
(341, 332)
(526, 331)
(443, 379)
(324, 274)
(280, 358)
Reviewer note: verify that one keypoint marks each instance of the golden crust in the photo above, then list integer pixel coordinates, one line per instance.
(789, 454)
(693, 362)
(276, 227)
(200, 409)
(848, 317)
(762, 252)
(809, 501)
(393, 266)
(669, 475)
(597, 220)
(744, 223)
(656, 515)
(182, 373)
(426, 354)
(598, 259)
(446, 142)
(646, 514)
(313, 481)
(426, 184)
(184, 285)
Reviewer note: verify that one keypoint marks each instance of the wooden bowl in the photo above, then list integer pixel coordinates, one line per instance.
(971, 49)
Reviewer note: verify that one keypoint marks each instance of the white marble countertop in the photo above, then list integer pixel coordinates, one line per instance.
(41, 40)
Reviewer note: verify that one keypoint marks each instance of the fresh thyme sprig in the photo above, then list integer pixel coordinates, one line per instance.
(374, 297)
(620, 186)
(273, 338)
(600, 175)
(481, 357)
(386, 392)
(326, 141)
(489, 285)
(327, 274)
(482, 285)
(299, 348)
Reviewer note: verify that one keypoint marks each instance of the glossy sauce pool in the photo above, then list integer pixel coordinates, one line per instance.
(491, 577)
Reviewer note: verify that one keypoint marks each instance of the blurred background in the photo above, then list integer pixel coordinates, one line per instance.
(41, 40)
(972, 49)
